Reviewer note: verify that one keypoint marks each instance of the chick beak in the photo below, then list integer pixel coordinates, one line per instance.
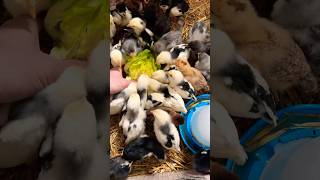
(178, 149)
(132, 54)
(164, 8)
(194, 98)
(32, 8)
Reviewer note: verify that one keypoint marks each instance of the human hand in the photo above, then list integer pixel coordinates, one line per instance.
(25, 70)
(117, 82)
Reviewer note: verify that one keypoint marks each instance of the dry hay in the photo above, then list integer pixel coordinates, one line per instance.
(175, 161)
(199, 11)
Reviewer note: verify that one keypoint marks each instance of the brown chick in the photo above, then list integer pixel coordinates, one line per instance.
(193, 75)
(266, 46)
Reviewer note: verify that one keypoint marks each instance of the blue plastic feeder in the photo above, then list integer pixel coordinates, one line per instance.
(274, 160)
(195, 132)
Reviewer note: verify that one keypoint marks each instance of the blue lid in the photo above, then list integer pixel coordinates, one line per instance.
(196, 140)
(259, 158)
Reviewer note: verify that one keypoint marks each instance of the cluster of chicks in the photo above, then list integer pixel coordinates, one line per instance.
(257, 61)
(63, 125)
(163, 94)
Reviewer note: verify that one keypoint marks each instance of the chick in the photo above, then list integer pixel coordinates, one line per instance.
(168, 41)
(180, 85)
(225, 140)
(116, 56)
(266, 46)
(161, 25)
(165, 131)
(144, 34)
(132, 122)
(177, 118)
(201, 162)
(120, 168)
(199, 32)
(30, 119)
(97, 85)
(168, 57)
(113, 28)
(137, 24)
(26, 7)
(304, 28)
(172, 98)
(135, 6)
(131, 47)
(121, 15)
(237, 81)
(118, 103)
(142, 89)
(193, 76)
(74, 145)
(154, 100)
(197, 48)
(203, 65)
(143, 147)
(179, 9)
(161, 76)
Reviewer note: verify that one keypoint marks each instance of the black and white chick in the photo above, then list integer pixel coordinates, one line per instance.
(181, 85)
(199, 32)
(203, 65)
(168, 41)
(154, 100)
(121, 15)
(172, 98)
(179, 8)
(301, 19)
(165, 131)
(198, 42)
(236, 81)
(142, 89)
(120, 168)
(131, 47)
(201, 162)
(144, 34)
(133, 120)
(143, 147)
(119, 102)
(161, 76)
(180, 51)
(116, 56)
(97, 85)
(74, 144)
(31, 118)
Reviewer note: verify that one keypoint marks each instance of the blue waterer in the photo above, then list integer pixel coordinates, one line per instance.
(195, 132)
(291, 152)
